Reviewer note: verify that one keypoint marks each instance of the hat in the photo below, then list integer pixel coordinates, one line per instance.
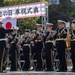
(16, 28)
(38, 24)
(73, 21)
(33, 31)
(61, 21)
(49, 24)
(27, 30)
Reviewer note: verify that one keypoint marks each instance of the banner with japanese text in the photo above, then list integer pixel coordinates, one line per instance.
(23, 11)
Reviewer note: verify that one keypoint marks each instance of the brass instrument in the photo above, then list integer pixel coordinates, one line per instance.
(50, 37)
(61, 33)
(25, 39)
(58, 35)
(73, 37)
(39, 35)
(51, 34)
(32, 36)
(68, 39)
(21, 39)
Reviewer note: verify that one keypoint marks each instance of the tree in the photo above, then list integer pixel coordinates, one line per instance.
(1, 3)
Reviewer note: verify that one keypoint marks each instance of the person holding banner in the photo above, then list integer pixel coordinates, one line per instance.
(3, 43)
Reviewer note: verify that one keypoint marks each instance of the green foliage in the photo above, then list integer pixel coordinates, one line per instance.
(27, 23)
(17, 2)
(1, 3)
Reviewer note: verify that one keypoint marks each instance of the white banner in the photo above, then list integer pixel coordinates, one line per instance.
(23, 11)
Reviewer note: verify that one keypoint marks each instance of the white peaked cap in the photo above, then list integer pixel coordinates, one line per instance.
(50, 24)
(16, 28)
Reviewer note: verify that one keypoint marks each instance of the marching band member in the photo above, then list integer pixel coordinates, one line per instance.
(73, 44)
(61, 44)
(38, 46)
(2, 43)
(48, 39)
(33, 50)
(26, 49)
(13, 49)
(32, 42)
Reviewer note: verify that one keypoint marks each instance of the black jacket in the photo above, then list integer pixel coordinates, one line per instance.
(3, 32)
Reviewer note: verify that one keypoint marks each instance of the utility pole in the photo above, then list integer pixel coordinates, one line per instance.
(45, 18)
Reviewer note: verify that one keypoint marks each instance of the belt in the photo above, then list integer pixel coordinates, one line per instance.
(26, 45)
(48, 41)
(37, 40)
(73, 40)
(4, 39)
(60, 39)
(13, 42)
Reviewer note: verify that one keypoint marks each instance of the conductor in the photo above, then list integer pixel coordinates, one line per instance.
(2, 43)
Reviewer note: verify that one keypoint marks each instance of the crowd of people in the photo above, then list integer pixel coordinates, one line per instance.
(33, 43)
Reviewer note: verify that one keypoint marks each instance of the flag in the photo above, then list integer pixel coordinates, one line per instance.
(9, 23)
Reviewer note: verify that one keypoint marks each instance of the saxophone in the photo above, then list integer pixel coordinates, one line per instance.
(68, 39)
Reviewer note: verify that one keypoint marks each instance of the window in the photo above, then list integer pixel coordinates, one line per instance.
(53, 1)
(72, 0)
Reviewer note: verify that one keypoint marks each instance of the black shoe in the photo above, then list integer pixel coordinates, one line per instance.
(38, 70)
(3, 72)
(26, 70)
(59, 71)
(13, 70)
(62, 71)
(48, 70)
(73, 70)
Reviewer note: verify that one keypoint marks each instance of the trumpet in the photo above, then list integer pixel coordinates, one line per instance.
(51, 34)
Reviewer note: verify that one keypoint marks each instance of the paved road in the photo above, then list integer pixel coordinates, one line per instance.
(37, 73)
